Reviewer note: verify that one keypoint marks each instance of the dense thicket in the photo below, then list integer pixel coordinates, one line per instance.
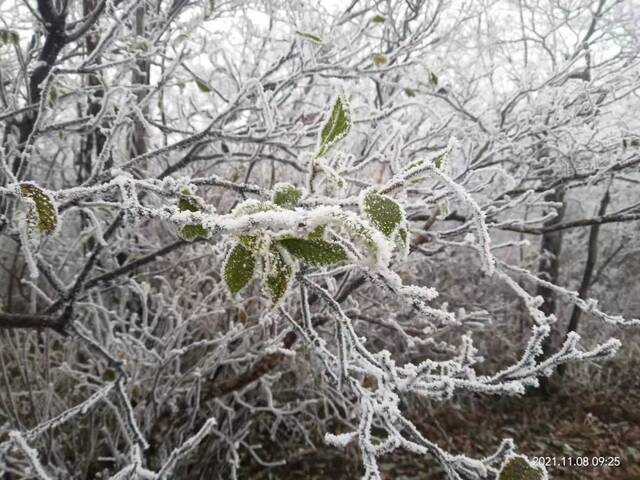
(230, 223)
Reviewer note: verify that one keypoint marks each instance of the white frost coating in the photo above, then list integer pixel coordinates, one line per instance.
(589, 305)
(31, 454)
(130, 415)
(484, 239)
(156, 349)
(189, 445)
(80, 409)
(532, 303)
(26, 240)
(416, 293)
(340, 440)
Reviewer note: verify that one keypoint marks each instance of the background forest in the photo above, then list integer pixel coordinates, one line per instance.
(276, 239)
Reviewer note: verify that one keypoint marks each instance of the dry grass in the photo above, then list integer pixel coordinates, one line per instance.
(603, 421)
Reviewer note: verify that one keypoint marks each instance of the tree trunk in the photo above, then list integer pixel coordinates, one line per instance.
(549, 269)
(592, 258)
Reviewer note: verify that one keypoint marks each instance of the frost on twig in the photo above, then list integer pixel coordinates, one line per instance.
(31, 454)
(294, 220)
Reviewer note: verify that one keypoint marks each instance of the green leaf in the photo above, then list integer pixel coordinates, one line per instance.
(383, 212)
(238, 268)
(630, 141)
(192, 232)
(363, 233)
(53, 97)
(403, 235)
(314, 251)
(402, 240)
(439, 161)
(379, 60)
(310, 36)
(248, 241)
(414, 164)
(195, 230)
(519, 468)
(109, 375)
(336, 127)
(378, 19)
(286, 195)
(202, 86)
(409, 92)
(187, 204)
(433, 79)
(44, 213)
(318, 232)
(8, 37)
(251, 206)
(279, 275)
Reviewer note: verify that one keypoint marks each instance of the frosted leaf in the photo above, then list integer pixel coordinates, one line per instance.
(402, 241)
(377, 247)
(238, 268)
(382, 211)
(192, 231)
(314, 251)
(318, 232)
(518, 467)
(439, 160)
(8, 37)
(286, 195)
(379, 60)
(311, 37)
(336, 127)
(252, 206)
(202, 86)
(279, 275)
(43, 214)
(249, 241)
(404, 235)
(409, 92)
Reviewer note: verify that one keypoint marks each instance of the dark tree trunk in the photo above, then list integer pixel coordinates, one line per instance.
(549, 270)
(592, 258)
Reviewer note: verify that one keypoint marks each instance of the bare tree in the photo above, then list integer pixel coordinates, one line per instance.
(230, 221)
